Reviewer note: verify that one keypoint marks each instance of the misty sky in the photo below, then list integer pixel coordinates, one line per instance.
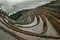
(21, 1)
(14, 5)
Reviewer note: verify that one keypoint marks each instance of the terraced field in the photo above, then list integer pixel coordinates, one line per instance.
(35, 24)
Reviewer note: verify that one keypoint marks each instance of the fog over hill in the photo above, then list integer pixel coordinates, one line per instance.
(11, 6)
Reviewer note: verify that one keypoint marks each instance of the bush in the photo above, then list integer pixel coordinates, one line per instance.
(15, 16)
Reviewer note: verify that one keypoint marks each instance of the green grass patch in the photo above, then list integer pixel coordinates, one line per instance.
(15, 16)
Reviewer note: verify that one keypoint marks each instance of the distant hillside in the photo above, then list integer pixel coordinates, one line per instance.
(50, 5)
(16, 15)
